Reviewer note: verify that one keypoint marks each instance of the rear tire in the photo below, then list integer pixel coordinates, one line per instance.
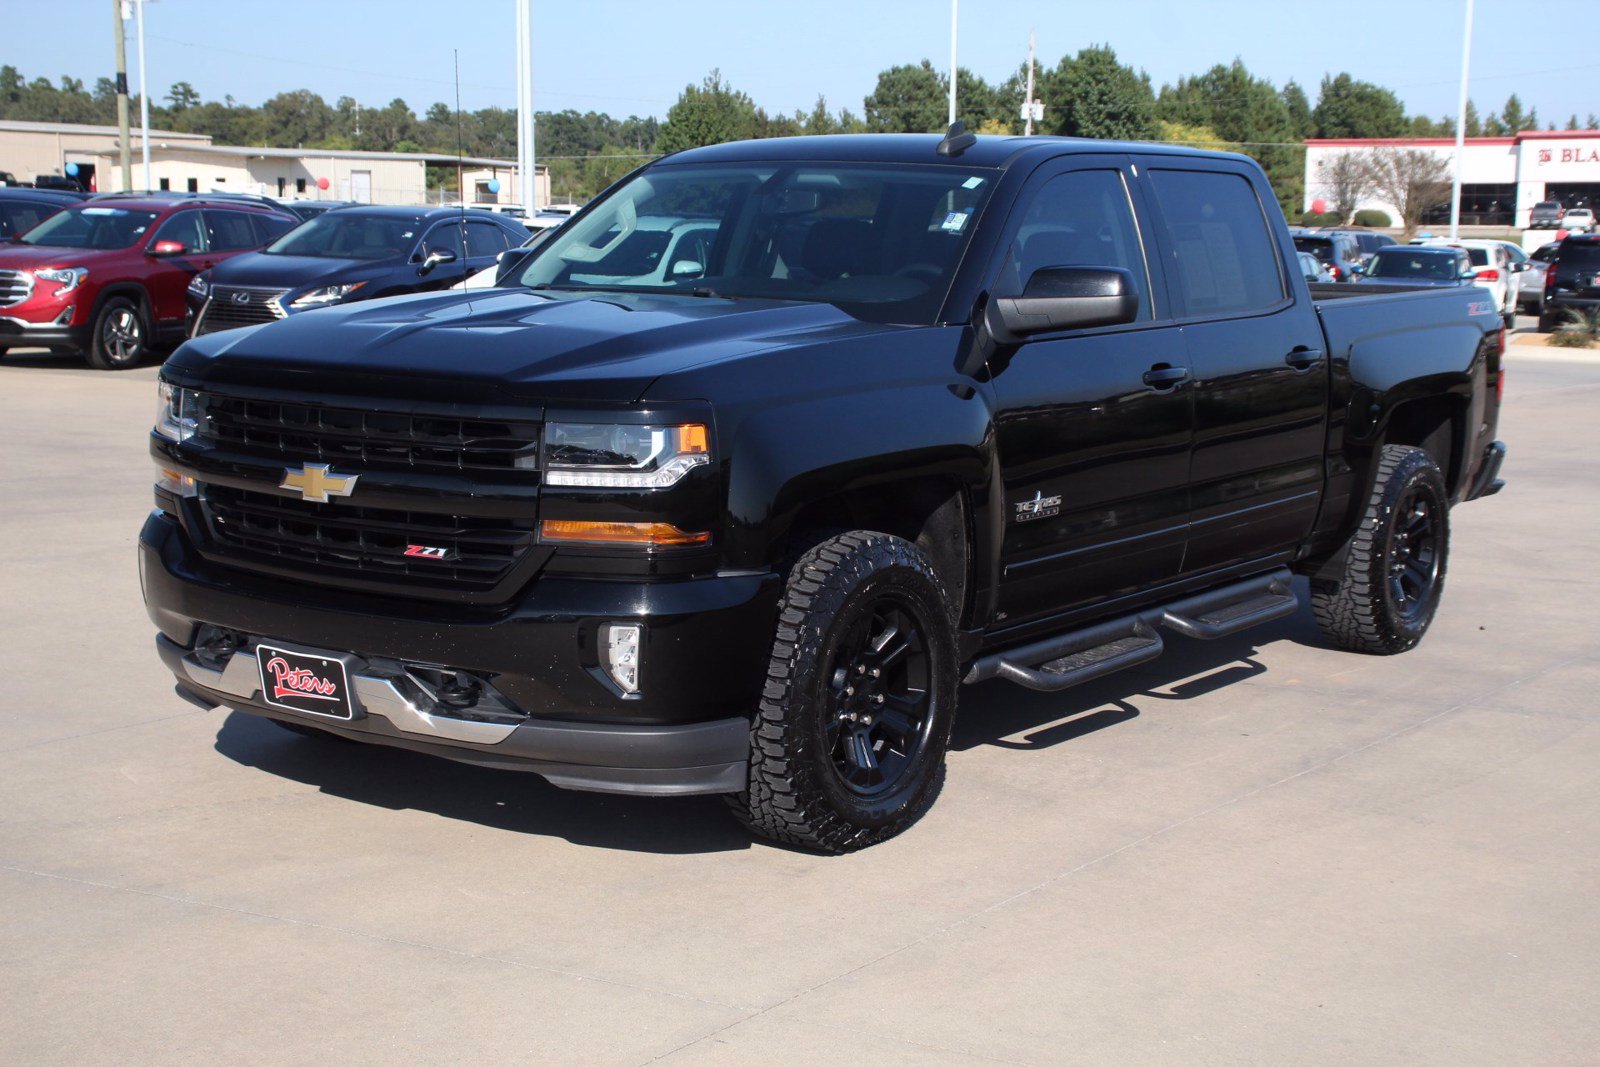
(1395, 564)
(847, 745)
(121, 337)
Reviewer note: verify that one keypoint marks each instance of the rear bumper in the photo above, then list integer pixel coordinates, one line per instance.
(687, 732)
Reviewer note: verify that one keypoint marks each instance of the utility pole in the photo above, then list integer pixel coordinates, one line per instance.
(1027, 105)
(1461, 129)
(144, 97)
(126, 149)
(954, 6)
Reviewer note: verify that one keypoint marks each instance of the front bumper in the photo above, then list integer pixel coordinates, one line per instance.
(20, 333)
(687, 732)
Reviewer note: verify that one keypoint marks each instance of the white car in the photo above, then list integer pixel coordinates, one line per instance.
(1578, 220)
(485, 279)
(1497, 270)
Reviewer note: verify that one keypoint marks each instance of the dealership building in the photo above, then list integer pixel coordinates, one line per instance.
(1501, 177)
(190, 162)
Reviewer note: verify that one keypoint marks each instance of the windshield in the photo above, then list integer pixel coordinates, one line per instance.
(1322, 248)
(1412, 264)
(91, 227)
(343, 235)
(879, 242)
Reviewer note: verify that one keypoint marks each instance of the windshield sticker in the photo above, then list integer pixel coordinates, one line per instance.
(955, 222)
(972, 183)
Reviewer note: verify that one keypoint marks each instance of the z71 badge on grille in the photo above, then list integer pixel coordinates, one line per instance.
(1040, 507)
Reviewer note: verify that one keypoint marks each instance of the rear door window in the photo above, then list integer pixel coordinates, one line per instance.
(445, 237)
(21, 216)
(485, 239)
(230, 231)
(1221, 252)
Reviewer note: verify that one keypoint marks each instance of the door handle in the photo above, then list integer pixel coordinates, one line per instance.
(1303, 358)
(1164, 375)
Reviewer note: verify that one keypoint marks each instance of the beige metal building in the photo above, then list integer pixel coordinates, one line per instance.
(31, 149)
(190, 162)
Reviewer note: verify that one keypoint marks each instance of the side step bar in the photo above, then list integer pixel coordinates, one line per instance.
(1067, 660)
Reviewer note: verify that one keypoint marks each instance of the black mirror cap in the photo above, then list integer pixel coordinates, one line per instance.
(510, 263)
(1065, 298)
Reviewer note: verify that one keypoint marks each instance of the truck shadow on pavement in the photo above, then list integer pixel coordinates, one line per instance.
(994, 713)
(501, 800)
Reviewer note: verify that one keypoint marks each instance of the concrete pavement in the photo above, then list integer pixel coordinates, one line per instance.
(1254, 850)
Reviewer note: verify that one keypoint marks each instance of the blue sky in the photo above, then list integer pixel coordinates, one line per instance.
(633, 56)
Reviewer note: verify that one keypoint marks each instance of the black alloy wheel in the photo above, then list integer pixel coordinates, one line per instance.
(879, 711)
(1413, 554)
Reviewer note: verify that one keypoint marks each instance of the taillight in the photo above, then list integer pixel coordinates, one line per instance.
(1502, 340)
(1333, 269)
(1488, 275)
(1500, 377)
(1550, 279)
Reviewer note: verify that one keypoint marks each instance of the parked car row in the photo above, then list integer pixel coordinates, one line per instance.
(1341, 251)
(116, 275)
(1553, 215)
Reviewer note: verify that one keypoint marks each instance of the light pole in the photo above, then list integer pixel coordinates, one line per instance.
(954, 7)
(119, 11)
(1461, 128)
(144, 94)
(526, 184)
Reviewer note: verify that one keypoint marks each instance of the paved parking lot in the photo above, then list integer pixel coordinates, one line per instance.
(1257, 850)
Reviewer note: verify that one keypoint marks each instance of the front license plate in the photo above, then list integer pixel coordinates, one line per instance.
(304, 682)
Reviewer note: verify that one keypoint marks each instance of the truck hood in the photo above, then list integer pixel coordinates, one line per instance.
(297, 272)
(504, 344)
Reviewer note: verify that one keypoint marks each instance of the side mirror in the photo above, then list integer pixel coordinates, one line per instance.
(509, 264)
(443, 255)
(168, 248)
(687, 268)
(1470, 274)
(1358, 268)
(1064, 298)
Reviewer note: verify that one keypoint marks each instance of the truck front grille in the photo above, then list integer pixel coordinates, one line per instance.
(465, 551)
(15, 287)
(231, 306)
(354, 437)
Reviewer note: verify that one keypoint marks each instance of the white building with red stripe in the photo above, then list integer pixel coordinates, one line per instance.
(1501, 177)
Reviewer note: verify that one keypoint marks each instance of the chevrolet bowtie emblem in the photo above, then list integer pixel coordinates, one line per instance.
(317, 483)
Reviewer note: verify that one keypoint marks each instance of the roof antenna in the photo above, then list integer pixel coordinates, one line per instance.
(956, 140)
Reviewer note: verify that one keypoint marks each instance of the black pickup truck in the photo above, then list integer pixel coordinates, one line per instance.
(736, 480)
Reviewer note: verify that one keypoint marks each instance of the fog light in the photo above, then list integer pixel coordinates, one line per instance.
(619, 653)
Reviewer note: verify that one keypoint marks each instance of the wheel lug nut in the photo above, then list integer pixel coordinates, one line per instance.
(849, 690)
(875, 672)
(877, 698)
(861, 668)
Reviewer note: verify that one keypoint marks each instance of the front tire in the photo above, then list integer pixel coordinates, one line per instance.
(847, 746)
(121, 336)
(1395, 564)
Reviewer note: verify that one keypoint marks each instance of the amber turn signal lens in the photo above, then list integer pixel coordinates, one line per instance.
(693, 440)
(656, 534)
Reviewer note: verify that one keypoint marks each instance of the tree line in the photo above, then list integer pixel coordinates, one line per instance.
(1089, 94)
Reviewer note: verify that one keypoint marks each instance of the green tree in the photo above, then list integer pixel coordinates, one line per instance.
(908, 99)
(1093, 95)
(1473, 126)
(1350, 108)
(1294, 98)
(821, 121)
(1512, 117)
(710, 113)
(296, 119)
(1247, 111)
(1572, 123)
(1183, 133)
(182, 96)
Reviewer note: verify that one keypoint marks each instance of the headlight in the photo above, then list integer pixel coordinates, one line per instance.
(623, 457)
(67, 277)
(328, 294)
(200, 285)
(177, 412)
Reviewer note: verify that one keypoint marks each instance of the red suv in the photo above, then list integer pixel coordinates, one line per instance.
(107, 277)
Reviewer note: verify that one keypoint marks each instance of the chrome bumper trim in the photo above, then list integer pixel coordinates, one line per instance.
(374, 694)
